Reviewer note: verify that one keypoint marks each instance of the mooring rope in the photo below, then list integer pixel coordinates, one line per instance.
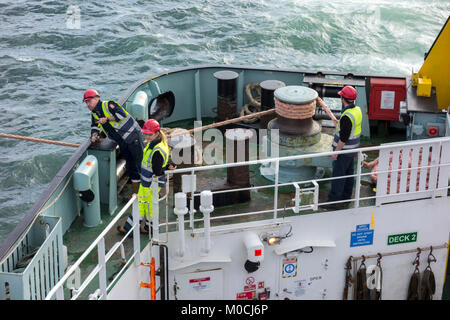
(295, 111)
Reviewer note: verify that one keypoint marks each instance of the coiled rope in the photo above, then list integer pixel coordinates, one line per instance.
(286, 110)
(295, 111)
(254, 105)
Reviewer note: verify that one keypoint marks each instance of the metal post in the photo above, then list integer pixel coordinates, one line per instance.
(181, 233)
(136, 231)
(358, 179)
(60, 293)
(192, 210)
(207, 228)
(316, 195)
(297, 198)
(155, 208)
(275, 200)
(102, 265)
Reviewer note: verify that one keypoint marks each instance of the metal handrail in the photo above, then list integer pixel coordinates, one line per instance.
(356, 175)
(101, 266)
(308, 156)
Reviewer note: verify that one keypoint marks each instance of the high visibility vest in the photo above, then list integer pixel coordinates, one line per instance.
(355, 116)
(145, 193)
(146, 165)
(124, 127)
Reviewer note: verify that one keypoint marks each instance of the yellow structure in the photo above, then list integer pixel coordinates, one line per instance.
(435, 71)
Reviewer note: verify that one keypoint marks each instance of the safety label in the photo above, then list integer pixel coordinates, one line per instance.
(387, 100)
(200, 283)
(363, 236)
(250, 295)
(289, 268)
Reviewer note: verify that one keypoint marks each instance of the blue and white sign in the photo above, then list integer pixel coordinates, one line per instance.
(289, 268)
(363, 236)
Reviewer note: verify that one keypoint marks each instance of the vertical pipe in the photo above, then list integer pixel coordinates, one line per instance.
(358, 179)
(268, 87)
(181, 235)
(206, 207)
(198, 106)
(152, 279)
(60, 293)
(155, 208)
(207, 228)
(237, 150)
(180, 210)
(102, 265)
(297, 198)
(162, 272)
(136, 236)
(192, 210)
(316, 195)
(226, 94)
(275, 197)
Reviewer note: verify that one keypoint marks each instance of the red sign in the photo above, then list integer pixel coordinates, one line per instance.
(250, 295)
(199, 280)
(250, 287)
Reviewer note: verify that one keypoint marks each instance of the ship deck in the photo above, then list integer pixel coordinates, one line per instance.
(79, 237)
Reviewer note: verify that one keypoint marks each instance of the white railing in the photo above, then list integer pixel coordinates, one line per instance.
(103, 257)
(438, 187)
(442, 166)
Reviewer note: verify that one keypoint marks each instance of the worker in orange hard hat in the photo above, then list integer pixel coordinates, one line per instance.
(109, 118)
(346, 136)
(154, 162)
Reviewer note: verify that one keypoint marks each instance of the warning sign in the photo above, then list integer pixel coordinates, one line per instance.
(250, 295)
(289, 268)
(200, 283)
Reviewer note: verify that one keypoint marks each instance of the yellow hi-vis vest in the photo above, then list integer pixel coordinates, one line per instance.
(355, 116)
(124, 127)
(145, 193)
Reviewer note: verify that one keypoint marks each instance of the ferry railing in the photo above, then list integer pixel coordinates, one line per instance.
(103, 257)
(36, 264)
(443, 176)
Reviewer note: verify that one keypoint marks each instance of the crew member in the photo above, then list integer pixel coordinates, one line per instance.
(110, 118)
(154, 163)
(347, 135)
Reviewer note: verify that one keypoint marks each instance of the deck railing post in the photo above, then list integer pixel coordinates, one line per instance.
(316, 195)
(60, 293)
(136, 231)
(358, 179)
(275, 197)
(102, 266)
(155, 208)
(191, 205)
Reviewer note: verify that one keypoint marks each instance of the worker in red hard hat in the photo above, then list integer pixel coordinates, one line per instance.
(346, 137)
(110, 119)
(154, 162)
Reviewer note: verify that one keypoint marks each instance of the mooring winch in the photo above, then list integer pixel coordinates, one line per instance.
(295, 132)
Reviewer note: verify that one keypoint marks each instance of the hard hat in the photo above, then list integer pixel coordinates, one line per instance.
(150, 126)
(89, 94)
(348, 92)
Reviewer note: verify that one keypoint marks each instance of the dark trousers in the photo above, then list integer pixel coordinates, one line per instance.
(341, 189)
(132, 151)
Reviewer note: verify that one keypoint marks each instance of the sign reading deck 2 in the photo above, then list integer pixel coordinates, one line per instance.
(402, 238)
(363, 236)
